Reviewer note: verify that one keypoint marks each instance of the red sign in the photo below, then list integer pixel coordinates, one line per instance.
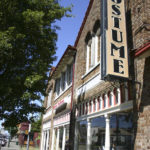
(58, 104)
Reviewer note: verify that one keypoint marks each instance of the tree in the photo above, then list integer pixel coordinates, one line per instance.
(27, 50)
(36, 125)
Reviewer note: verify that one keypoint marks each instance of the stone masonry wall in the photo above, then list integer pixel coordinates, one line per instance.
(142, 113)
(138, 31)
(140, 10)
(140, 21)
(80, 66)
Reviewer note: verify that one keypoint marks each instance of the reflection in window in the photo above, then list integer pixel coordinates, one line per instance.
(97, 133)
(57, 87)
(82, 127)
(121, 131)
(69, 74)
(65, 80)
(60, 138)
(55, 139)
(49, 98)
(67, 138)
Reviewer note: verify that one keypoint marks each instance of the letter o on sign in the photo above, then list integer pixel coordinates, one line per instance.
(117, 1)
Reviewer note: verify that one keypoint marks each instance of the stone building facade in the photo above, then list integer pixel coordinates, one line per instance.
(56, 120)
(91, 113)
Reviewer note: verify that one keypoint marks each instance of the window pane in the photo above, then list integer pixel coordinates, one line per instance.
(49, 98)
(89, 47)
(60, 138)
(121, 131)
(69, 75)
(97, 133)
(82, 127)
(63, 81)
(93, 52)
(55, 139)
(67, 138)
(98, 53)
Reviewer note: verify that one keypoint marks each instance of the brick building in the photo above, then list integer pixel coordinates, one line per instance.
(86, 111)
(56, 120)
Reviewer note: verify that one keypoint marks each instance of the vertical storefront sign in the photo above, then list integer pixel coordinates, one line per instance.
(114, 53)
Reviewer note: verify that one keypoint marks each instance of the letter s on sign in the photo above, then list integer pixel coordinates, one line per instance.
(116, 10)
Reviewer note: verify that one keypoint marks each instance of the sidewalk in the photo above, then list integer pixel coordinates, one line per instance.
(12, 146)
(17, 147)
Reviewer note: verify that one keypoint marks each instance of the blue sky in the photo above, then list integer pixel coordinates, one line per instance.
(70, 26)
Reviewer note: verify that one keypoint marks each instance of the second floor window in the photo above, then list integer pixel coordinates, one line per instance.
(64, 81)
(49, 99)
(57, 86)
(93, 47)
(69, 74)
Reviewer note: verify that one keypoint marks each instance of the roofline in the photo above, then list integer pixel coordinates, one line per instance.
(83, 22)
(142, 49)
(68, 48)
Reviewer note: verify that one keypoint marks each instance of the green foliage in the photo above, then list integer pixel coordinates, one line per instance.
(36, 125)
(27, 50)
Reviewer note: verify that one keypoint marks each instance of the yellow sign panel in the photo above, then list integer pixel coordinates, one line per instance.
(26, 132)
(116, 40)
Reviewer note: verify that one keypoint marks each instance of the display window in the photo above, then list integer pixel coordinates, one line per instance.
(97, 133)
(60, 138)
(67, 138)
(82, 132)
(121, 137)
(120, 132)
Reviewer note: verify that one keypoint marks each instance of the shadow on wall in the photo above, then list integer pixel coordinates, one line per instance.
(145, 95)
(142, 106)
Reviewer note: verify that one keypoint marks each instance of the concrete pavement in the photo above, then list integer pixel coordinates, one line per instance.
(13, 146)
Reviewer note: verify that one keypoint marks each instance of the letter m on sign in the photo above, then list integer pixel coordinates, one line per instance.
(121, 50)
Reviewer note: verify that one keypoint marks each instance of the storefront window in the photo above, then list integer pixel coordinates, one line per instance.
(60, 138)
(97, 133)
(82, 132)
(67, 138)
(121, 131)
(55, 139)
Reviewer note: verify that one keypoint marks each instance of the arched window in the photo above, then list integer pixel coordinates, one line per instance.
(96, 31)
(93, 46)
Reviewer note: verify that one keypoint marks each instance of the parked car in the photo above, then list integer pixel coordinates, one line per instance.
(3, 140)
